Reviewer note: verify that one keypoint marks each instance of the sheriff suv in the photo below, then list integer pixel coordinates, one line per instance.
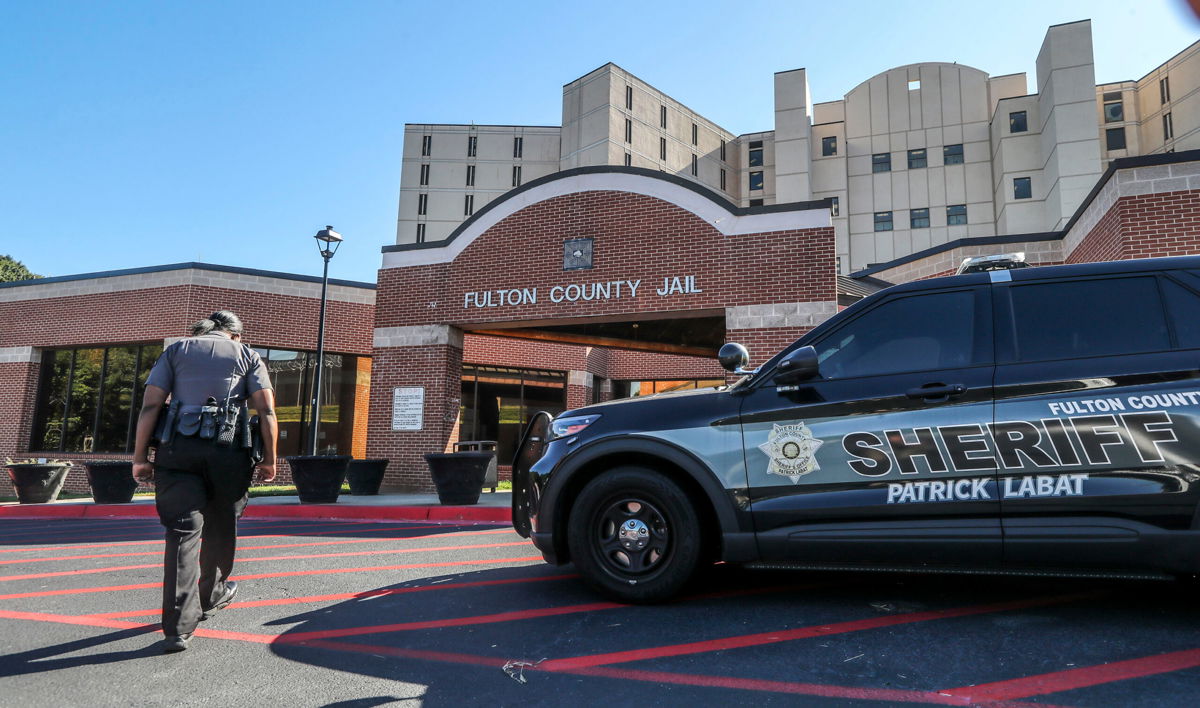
(1018, 420)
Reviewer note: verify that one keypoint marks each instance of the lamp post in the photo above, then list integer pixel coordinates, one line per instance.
(328, 241)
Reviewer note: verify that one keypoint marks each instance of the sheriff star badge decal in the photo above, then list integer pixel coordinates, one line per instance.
(792, 449)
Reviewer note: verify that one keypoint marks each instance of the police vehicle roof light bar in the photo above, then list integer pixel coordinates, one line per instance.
(998, 261)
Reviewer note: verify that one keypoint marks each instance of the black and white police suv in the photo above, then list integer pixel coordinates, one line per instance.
(1042, 420)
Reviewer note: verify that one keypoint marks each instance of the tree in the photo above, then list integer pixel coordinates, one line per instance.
(11, 269)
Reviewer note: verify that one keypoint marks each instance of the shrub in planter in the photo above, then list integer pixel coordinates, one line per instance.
(319, 478)
(458, 476)
(111, 481)
(365, 476)
(37, 481)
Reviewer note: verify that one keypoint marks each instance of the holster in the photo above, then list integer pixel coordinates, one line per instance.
(164, 427)
(254, 438)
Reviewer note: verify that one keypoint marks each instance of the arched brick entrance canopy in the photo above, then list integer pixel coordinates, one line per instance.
(660, 246)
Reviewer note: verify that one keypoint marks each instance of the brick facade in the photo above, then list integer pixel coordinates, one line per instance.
(769, 286)
(152, 306)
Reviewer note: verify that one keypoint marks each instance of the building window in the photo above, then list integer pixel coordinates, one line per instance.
(662, 116)
(722, 151)
(1017, 122)
(914, 84)
(88, 398)
(1022, 188)
(883, 221)
(424, 174)
(722, 179)
(756, 202)
(917, 159)
(755, 144)
(1168, 127)
(952, 154)
(695, 166)
(829, 146)
(918, 218)
(662, 148)
(420, 233)
(1114, 110)
(1164, 89)
(422, 204)
(956, 215)
(518, 146)
(470, 175)
(516, 180)
(1115, 138)
(472, 146)
(629, 97)
(756, 157)
(628, 160)
(496, 403)
(881, 162)
(426, 145)
(756, 180)
(695, 135)
(628, 131)
(468, 204)
(834, 207)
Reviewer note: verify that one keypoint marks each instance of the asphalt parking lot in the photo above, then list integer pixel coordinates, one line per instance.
(366, 614)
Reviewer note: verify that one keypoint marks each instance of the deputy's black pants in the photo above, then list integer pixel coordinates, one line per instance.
(200, 492)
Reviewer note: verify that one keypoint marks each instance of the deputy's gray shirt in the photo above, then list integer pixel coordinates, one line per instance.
(194, 369)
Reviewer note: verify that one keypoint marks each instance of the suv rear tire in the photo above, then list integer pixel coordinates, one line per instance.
(634, 535)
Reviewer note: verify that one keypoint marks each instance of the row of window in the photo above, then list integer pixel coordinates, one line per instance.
(88, 398)
(951, 155)
(956, 215)
(472, 146)
(423, 209)
(516, 176)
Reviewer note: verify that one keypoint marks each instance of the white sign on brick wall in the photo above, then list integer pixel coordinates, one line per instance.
(408, 408)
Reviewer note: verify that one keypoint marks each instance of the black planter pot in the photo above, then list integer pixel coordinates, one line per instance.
(458, 476)
(319, 478)
(37, 483)
(365, 476)
(112, 481)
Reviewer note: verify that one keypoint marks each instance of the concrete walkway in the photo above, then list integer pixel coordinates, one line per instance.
(492, 507)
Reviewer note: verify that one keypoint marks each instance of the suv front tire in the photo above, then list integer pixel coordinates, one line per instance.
(634, 535)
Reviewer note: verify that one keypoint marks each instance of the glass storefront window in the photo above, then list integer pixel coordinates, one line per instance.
(630, 389)
(497, 402)
(86, 401)
(89, 398)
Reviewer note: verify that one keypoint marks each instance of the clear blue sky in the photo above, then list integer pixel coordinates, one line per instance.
(143, 133)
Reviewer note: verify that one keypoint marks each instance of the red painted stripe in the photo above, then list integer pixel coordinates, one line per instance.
(300, 511)
(889, 695)
(52, 559)
(454, 622)
(761, 638)
(353, 595)
(310, 556)
(338, 529)
(827, 691)
(115, 588)
(1082, 677)
(84, 620)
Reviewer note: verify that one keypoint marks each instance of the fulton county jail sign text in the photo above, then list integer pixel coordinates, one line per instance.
(576, 292)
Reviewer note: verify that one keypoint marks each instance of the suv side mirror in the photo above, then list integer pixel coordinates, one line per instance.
(799, 365)
(734, 358)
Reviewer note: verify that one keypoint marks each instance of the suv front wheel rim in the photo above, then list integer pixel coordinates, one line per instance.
(632, 537)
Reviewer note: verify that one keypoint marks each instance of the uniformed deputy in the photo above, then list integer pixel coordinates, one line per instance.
(203, 463)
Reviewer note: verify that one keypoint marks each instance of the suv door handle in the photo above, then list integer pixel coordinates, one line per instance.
(936, 390)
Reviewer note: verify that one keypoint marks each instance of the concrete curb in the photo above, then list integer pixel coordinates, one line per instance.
(330, 512)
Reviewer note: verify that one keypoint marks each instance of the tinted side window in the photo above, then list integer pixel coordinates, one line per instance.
(1084, 318)
(918, 333)
(1184, 308)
